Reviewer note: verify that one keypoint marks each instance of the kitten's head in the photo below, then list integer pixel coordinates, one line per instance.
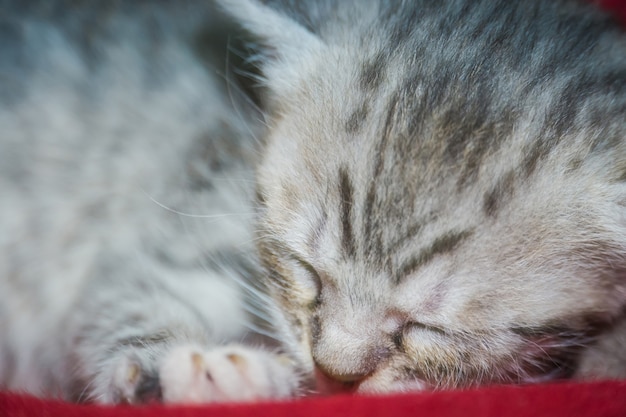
(422, 222)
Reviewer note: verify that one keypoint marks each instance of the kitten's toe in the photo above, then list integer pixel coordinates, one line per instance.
(225, 374)
(148, 389)
(133, 383)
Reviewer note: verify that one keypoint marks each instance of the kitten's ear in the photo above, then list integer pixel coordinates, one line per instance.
(280, 32)
(285, 43)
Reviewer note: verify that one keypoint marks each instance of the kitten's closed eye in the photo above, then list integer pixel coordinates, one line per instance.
(288, 267)
(311, 279)
(418, 327)
(416, 332)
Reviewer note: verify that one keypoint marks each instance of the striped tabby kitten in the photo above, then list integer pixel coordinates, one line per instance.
(442, 194)
(441, 199)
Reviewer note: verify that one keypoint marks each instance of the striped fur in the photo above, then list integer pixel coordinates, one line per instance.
(451, 175)
(441, 193)
(126, 156)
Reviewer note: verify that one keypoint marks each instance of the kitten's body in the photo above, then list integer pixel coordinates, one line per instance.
(125, 173)
(441, 200)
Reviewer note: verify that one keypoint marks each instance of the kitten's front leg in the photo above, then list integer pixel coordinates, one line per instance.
(140, 339)
(192, 374)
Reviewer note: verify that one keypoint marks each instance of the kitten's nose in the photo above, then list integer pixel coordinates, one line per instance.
(326, 384)
(342, 377)
(345, 354)
(335, 379)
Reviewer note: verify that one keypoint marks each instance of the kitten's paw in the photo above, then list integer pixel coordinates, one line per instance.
(129, 380)
(190, 374)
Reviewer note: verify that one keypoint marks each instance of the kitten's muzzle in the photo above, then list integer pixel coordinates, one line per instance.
(326, 384)
(331, 382)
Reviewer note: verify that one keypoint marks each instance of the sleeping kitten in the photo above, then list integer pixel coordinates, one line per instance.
(440, 199)
(443, 189)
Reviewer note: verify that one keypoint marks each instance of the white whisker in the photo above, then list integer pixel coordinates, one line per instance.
(192, 215)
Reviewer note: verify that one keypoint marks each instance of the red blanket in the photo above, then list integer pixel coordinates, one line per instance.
(618, 7)
(601, 399)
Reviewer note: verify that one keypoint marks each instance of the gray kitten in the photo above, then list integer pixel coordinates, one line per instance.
(443, 189)
(440, 200)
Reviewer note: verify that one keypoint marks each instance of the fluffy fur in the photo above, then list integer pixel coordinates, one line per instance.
(440, 199)
(126, 176)
(442, 189)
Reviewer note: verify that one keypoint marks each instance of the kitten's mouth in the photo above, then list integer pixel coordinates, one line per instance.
(325, 385)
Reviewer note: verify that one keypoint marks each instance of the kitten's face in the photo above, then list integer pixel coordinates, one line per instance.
(418, 234)
(395, 270)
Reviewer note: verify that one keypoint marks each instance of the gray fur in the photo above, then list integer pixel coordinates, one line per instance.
(126, 179)
(475, 151)
(440, 198)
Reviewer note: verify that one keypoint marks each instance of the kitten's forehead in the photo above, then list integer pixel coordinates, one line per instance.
(352, 144)
(390, 158)
(359, 183)
(438, 168)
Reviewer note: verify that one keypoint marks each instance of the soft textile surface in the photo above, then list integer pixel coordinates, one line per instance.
(617, 7)
(601, 399)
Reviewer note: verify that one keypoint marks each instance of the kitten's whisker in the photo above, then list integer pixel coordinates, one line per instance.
(195, 216)
(247, 74)
(232, 100)
(231, 84)
(85, 392)
(266, 333)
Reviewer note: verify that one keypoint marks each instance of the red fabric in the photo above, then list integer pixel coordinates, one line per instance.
(600, 399)
(617, 7)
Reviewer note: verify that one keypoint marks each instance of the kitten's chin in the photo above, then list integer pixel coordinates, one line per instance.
(324, 385)
(375, 384)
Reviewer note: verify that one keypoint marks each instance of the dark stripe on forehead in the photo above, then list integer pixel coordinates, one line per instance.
(409, 235)
(371, 228)
(533, 153)
(499, 194)
(346, 202)
(562, 115)
(443, 244)
(484, 142)
(561, 119)
(372, 72)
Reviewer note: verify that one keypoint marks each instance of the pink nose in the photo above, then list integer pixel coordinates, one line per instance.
(326, 385)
